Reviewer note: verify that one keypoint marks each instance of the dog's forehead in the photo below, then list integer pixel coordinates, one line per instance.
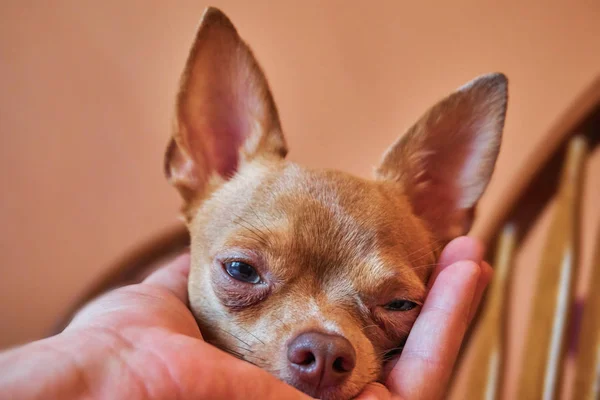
(325, 202)
(315, 222)
(329, 220)
(328, 188)
(319, 199)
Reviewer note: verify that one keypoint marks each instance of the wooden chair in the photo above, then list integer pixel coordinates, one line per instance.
(554, 334)
(555, 171)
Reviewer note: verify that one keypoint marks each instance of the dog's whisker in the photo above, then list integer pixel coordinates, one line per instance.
(283, 324)
(424, 266)
(435, 249)
(248, 361)
(387, 351)
(436, 245)
(244, 348)
(369, 326)
(242, 356)
(429, 253)
(256, 357)
(251, 334)
(234, 336)
(233, 352)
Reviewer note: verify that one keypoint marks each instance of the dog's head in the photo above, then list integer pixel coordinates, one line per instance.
(316, 276)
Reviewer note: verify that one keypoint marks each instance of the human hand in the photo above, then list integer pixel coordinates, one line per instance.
(136, 342)
(141, 342)
(424, 368)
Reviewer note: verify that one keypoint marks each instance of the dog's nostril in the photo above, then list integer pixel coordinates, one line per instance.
(308, 359)
(342, 365)
(303, 357)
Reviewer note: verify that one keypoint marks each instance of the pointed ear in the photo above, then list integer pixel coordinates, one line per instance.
(225, 112)
(445, 161)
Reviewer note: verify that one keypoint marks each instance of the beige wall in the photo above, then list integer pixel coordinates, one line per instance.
(86, 91)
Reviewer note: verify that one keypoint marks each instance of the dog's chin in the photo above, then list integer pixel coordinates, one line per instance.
(344, 392)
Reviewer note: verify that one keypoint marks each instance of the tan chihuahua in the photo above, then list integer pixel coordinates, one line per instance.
(313, 275)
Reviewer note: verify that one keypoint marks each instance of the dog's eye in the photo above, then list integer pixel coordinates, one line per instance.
(400, 305)
(242, 272)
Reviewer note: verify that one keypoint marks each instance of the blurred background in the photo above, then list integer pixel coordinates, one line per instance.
(86, 100)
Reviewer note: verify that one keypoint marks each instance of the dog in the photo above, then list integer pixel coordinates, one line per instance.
(315, 275)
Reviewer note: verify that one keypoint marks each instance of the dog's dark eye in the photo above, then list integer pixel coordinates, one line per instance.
(242, 272)
(400, 305)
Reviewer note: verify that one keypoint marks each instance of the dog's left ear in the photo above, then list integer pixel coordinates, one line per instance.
(445, 161)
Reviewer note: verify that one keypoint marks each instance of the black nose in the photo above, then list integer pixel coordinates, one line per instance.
(321, 360)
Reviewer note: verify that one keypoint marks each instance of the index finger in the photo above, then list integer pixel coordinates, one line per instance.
(461, 248)
(426, 363)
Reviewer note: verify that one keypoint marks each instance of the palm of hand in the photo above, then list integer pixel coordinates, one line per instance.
(157, 348)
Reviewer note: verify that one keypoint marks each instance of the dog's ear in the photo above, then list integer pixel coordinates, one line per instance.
(445, 161)
(225, 113)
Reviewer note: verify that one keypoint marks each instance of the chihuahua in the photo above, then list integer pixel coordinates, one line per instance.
(315, 275)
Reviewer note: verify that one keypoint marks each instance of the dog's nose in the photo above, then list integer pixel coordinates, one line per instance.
(321, 360)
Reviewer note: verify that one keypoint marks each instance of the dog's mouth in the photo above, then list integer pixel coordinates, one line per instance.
(351, 389)
(329, 393)
(392, 354)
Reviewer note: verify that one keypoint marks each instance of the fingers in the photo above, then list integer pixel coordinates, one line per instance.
(426, 362)
(484, 280)
(465, 248)
(173, 277)
(461, 248)
(376, 391)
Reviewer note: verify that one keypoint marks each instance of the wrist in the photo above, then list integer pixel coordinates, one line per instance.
(42, 369)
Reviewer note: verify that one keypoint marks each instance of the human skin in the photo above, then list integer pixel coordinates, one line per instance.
(142, 342)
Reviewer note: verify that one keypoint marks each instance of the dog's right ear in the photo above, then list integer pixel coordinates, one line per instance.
(225, 112)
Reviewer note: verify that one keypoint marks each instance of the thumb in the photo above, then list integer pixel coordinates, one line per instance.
(173, 277)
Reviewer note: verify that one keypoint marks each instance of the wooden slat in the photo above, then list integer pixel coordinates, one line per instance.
(587, 364)
(485, 369)
(545, 343)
